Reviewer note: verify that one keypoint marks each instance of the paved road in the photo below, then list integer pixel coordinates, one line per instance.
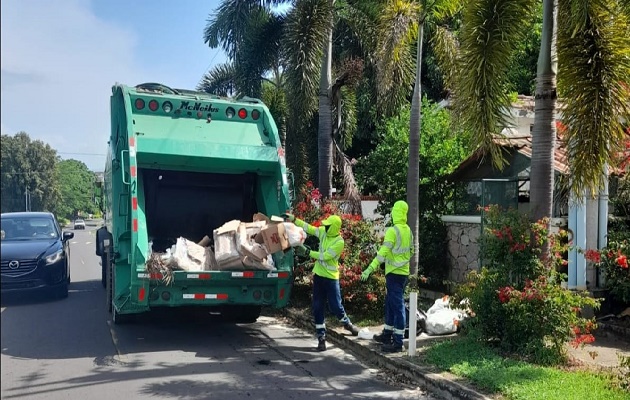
(68, 349)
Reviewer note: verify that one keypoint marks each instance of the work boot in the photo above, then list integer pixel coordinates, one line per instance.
(383, 337)
(392, 348)
(352, 329)
(321, 345)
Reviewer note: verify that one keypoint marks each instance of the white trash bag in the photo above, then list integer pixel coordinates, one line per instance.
(441, 319)
(366, 334)
(295, 234)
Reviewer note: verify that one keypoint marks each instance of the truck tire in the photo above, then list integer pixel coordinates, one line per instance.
(109, 280)
(104, 270)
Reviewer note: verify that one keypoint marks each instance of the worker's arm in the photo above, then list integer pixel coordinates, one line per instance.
(385, 250)
(330, 253)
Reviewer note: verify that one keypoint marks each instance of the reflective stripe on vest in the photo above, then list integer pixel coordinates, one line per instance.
(330, 267)
(398, 249)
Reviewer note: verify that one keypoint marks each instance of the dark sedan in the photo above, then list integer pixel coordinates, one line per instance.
(35, 253)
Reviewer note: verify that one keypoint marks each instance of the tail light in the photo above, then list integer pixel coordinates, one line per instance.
(139, 104)
(242, 113)
(153, 105)
(255, 115)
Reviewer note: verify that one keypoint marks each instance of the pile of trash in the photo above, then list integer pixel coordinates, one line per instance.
(236, 245)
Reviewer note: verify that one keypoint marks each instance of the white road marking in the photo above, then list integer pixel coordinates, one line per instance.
(82, 262)
(88, 242)
(74, 242)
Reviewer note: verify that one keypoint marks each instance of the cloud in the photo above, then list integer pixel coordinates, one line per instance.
(58, 63)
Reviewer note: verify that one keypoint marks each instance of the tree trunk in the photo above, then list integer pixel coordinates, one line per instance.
(544, 131)
(413, 169)
(324, 139)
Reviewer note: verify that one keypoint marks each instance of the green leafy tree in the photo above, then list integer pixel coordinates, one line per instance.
(383, 173)
(27, 168)
(76, 183)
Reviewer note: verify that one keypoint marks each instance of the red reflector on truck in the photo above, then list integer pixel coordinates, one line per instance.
(283, 275)
(141, 294)
(134, 203)
(246, 274)
(281, 295)
(135, 224)
(132, 169)
(132, 141)
(198, 276)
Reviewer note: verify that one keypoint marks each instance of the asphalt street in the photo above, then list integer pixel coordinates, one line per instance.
(70, 349)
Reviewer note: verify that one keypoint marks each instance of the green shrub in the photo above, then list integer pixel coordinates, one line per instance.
(517, 300)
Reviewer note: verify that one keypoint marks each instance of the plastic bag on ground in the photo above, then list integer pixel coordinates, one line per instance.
(366, 334)
(441, 319)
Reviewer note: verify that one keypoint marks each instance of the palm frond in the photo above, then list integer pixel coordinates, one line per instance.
(446, 50)
(490, 33)
(225, 27)
(220, 80)
(305, 35)
(398, 28)
(594, 58)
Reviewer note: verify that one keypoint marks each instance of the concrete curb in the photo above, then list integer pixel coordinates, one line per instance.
(444, 385)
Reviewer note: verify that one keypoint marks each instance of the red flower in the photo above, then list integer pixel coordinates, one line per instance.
(622, 261)
(593, 255)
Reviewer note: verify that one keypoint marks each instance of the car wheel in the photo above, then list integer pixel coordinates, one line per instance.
(62, 291)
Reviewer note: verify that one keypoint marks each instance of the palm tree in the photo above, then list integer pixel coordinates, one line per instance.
(594, 46)
(401, 23)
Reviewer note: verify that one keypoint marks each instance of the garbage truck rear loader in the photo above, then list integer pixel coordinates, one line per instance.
(180, 165)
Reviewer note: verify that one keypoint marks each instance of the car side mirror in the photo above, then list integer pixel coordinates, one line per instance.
(68, 236)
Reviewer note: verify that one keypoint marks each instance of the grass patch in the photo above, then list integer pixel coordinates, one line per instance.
(516, 379)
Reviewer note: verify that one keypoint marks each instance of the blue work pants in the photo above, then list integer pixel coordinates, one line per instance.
(327, 290)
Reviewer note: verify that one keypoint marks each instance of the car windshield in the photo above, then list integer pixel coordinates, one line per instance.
(28, 228)
(79, 221)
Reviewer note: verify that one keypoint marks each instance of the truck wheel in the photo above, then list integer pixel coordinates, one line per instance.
(104, 270)
(109, 280)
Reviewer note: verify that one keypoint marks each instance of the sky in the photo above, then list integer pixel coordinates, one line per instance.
(60, 59)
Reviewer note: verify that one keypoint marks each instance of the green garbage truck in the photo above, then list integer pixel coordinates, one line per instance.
(181, 164)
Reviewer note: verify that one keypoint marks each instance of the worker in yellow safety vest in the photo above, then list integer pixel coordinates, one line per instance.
(395, 253)
(325, 273)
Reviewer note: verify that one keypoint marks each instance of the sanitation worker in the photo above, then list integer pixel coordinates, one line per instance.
(325, 273)
(395, 253)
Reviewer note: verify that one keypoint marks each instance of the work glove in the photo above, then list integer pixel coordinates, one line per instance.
(366, 274)
(302, 250)
(289, 217)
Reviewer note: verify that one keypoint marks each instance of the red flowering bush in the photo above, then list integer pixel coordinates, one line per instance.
(364, 299)
(613, 260)
(517, 299)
